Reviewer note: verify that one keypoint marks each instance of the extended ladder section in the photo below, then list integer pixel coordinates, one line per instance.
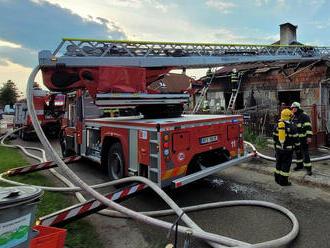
(85, 52)
(131, 99)
(203, 94)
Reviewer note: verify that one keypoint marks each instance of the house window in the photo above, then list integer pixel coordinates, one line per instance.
(288, 97)
(239, 104)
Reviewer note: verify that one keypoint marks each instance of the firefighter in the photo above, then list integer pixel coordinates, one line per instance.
(206, 107)
(286, 139)
(234, 80)
(304, 127)
(218, 107)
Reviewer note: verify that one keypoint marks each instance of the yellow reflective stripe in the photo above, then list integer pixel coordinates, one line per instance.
(285, 147)
(295, 135)
(302, 135)
(307, 124)
(309, 132)
(299, 160)
(298, 124)
(276, 134)
(307, 164)
(183, 43)
(286, 174)
(297, 144)
(277, 171)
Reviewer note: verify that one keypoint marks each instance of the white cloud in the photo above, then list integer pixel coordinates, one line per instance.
(281, 2)
(272, 38)
(316, 4)
(321, 25)
(223, 35)
(223, 7)
(9, 44)
(138, 4)
(261, 2)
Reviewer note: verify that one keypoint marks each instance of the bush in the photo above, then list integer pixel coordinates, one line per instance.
(254, 138)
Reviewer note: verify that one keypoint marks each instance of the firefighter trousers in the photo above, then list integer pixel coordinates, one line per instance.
(303, 158)
(234, 87)
(283, 164)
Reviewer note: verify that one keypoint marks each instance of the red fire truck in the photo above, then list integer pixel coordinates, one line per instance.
(162, 149)
(50, 109)
(160, 143)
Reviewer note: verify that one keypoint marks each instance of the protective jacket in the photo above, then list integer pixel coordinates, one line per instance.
(234, 81)
(303, 123)
(291, 137)
(304, 128)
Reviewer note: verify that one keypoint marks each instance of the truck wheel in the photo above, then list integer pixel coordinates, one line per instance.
(116, 164)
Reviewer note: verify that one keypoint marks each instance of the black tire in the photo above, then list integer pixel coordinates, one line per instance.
(116, 163)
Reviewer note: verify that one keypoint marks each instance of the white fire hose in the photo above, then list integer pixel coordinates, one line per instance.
(214, 240)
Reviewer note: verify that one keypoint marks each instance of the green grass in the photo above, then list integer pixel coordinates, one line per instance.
(254, 138)
(50, 202)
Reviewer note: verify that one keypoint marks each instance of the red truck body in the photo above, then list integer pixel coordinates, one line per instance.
(163, 149)
(49, 109)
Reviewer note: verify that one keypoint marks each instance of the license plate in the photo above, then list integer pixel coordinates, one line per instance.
(209, 139)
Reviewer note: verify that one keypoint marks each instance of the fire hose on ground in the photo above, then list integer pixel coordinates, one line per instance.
(197, 232)
(214, 240)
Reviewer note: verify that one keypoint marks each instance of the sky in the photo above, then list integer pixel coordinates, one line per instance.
(29, 26)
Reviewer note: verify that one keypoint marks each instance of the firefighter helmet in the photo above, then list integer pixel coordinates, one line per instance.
(295, 105)
(286, 114)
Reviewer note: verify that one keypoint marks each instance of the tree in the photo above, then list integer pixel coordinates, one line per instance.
(8, 94)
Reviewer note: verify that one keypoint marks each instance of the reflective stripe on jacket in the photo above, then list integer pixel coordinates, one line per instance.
(303, 123)
(234, 78)
(291, 137)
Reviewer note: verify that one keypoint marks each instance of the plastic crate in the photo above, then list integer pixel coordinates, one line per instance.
(48, 237)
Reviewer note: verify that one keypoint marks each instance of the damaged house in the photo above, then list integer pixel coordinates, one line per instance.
(267, 87)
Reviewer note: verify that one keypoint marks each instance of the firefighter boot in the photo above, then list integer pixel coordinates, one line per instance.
(284, 181)
(309, 171)
(277, 177)
(299, 167)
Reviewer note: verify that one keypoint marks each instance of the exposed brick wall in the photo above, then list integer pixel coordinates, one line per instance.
(278, 80)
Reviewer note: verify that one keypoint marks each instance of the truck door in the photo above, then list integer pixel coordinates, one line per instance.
(74, 123)
(69, 143)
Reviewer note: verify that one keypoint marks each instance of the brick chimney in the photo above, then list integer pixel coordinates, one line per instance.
(287, 33)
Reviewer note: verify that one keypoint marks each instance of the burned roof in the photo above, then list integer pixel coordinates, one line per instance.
(262, 66)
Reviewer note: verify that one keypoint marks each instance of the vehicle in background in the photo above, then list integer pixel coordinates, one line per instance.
(49, 109)
(8, 110)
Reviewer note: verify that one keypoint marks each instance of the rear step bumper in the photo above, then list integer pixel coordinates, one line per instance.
(208, 171)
